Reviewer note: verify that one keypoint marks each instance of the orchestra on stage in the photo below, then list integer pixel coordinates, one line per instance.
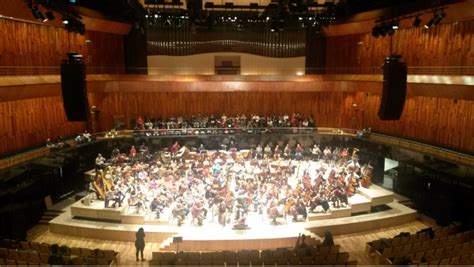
(196, 185)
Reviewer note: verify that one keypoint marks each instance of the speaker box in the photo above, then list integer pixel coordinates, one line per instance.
(73, 86)
(394, 89)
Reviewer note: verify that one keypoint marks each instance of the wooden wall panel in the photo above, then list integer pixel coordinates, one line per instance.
(29, 48)
(29, 122)
(425, 119)
(444, 49)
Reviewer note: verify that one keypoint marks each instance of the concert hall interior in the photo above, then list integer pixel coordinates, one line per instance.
(237, 132)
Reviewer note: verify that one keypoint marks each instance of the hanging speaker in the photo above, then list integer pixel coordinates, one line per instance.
(394, 88)
(73, 86)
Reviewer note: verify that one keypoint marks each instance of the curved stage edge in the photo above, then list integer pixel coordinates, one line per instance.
(213, 237)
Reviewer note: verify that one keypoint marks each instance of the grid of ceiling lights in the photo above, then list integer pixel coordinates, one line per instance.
(389, 27)
(274, 19)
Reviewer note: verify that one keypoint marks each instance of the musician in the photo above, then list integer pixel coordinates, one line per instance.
(277, 152)
(316, 152)
(201, 149)
(232, 145)
(87, 136)
(299, 152)
(99, 162)
(267, 151)
(287, 151)
(198, 212)
(115, 153)
(258, 152)
(133, 152)
(110, 196)
(156, 207)
(327, 153)
(174, 148)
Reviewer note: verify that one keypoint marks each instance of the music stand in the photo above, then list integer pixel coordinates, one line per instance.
(177, 240)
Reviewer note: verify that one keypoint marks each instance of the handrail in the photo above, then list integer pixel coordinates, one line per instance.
(439, 152)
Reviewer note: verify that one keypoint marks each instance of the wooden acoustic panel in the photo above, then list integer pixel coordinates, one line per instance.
(28, 48)
(444, 49)
(29, 122)
(444, 122)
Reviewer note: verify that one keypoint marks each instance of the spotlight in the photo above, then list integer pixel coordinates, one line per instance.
(438, 18)
(50, 15)
(435, 20)
(376, 31)
(416, 22)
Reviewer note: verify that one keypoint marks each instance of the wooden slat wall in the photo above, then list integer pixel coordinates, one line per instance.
(28, 48)
(444, 49)
(426, 119)
(29, 122)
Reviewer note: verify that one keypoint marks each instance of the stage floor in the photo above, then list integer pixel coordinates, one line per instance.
(261, 234)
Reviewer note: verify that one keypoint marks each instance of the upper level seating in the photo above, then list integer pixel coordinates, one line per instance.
(312, 255)
(445, 247)
(29, 253)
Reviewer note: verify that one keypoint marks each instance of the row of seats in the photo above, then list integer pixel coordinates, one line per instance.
(453, 242)
(248, 254)
(281, 256)
(431, 257)
(380, 244)
(330, 259)
(36, 253)
(42, 258)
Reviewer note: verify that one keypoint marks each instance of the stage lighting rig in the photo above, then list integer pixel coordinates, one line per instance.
(437, 17)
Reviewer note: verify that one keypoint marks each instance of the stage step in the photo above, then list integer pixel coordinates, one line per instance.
(167, 243)
(49, 215)
(319, 216)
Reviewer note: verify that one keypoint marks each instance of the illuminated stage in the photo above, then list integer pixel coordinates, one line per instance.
(212, 236)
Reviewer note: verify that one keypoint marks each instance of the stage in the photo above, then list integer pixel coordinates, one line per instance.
(91, 221)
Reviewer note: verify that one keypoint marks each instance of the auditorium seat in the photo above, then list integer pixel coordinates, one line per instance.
(256, 262)
(34, 257)
(13, 254)
(23, 255)
(295, 260)
(86, 252)
(319, 259)
(44, 248)
(44, 258)
(331, 259)
(77, 260)
(3, 252)
(334, 249)
(35, 246)
(342, 258)
(2, 261)
(10, 262)
(324, 250)
(25, 245)
(269, 262)
(281, 261)
(307, 260)
(76, 251)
